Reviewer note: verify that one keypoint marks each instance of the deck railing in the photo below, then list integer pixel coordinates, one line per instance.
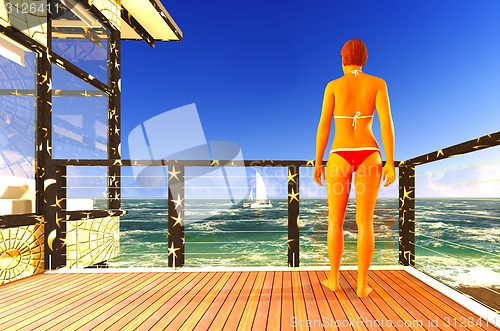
(56, 214)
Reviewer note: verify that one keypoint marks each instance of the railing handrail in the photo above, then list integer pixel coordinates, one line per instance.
(486, 141)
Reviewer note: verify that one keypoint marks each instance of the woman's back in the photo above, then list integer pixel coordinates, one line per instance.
(355, 96)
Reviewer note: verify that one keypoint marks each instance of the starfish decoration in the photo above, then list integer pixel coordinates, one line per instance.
(406, 194)
(58, 202)
(58, 220)
(215, 163)
(172, 250)
(173, 173)
(293, 196)
(289, 241)
(310, 163)
(178, 201)
(440, 152)
(178, 220)
(45, 78)
(49, 148)
(291, 177)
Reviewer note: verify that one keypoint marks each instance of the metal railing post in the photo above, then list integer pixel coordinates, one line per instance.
(175, 183)
(407, 215)
(293, 216)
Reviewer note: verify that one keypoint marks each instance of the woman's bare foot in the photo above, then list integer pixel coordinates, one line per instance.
(364, 291)
(331, 284)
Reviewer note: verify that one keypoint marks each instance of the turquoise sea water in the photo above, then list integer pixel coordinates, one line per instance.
(456, 240)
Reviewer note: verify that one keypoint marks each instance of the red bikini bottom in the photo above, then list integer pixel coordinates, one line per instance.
(355, 157)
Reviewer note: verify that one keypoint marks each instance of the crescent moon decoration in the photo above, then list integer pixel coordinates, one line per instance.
(48, 182)
(50, 239)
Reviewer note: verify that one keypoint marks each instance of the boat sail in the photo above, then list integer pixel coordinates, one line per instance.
(260, 200)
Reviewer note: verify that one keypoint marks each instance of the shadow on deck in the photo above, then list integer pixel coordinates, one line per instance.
(232, 300)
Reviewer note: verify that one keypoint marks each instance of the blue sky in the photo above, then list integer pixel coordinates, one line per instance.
(256, 71)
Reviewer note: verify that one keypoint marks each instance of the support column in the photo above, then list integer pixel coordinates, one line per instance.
(55, 217)
(114, 126)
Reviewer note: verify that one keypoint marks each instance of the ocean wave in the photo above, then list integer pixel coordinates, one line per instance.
(461, 272)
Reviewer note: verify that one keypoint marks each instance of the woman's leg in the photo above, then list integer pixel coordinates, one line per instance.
(338, 176)
(367, 184)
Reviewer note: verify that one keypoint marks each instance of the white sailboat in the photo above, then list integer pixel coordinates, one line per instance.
(260, 200)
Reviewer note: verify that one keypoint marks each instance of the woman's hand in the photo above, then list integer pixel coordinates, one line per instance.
(319, 173)
(388, 174)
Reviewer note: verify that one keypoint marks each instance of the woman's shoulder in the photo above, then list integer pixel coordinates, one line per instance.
(377, 79)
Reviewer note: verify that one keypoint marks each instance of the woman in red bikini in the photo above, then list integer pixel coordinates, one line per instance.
(351, 100)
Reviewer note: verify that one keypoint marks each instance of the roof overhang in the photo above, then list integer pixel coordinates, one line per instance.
(146, 19)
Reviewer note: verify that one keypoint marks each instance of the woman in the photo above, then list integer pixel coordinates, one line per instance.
(351, 100)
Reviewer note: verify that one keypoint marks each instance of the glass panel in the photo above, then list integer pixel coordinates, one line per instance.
(224, 223)
(79, 118)
(80, 38)
(457, 223)
(144, 228)
(86, 188)
(314, 225)
(17, 132)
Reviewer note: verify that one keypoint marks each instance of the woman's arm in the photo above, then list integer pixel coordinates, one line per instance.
(323, 132)
(387, 130)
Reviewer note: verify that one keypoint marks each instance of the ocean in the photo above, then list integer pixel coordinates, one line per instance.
(457, 240)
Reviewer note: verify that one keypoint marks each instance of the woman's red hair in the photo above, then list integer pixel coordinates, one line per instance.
(354, 52)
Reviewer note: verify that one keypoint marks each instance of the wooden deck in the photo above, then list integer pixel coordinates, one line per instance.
(248, 300)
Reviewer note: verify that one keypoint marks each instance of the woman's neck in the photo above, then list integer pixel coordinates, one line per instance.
(353, 69)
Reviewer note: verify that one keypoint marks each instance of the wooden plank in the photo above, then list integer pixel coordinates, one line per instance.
(299, 306)
(223, 314)
(237, 312)
(142, 312)
(340, 319)
(287, 301)
(28, 283)
(185, 308)
(313, 316)
(24, 307)
(203, 306)
(389, 310)
(406, 313)
(327, 318)
(262, 313)
(274, 316)
(114, 313)
(436, 315)
(347, 306)
(32, 296)
(259, 300)
(364, 316)
(56, 302)
(215, 308)
(425, 315)
(383, 314)
(456, 311)
(252, 302)
(95, 303)
(174, 305)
